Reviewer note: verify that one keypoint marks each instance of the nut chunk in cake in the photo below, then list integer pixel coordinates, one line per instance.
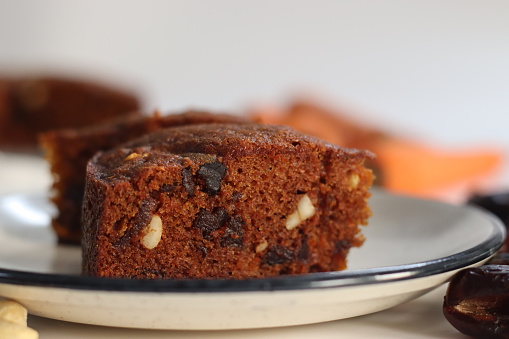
(223, 201)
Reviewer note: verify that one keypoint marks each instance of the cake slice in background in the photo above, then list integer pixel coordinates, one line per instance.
(31, 105)
(68, 151)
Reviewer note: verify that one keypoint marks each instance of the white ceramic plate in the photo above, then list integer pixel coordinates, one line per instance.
(412, 247)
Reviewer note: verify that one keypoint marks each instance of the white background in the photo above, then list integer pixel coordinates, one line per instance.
(437, 70)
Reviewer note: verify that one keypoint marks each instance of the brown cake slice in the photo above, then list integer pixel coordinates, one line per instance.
(29, 106)
(223, 201)
(69, 150)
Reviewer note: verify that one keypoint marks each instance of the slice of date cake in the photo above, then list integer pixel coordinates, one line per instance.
(69, 150)
(223, 201)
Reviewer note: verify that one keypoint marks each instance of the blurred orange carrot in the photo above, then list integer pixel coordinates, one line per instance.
(415, 169)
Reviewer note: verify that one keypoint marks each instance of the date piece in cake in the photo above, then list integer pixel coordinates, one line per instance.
(29, 106)
(69, 150)
(223, 201)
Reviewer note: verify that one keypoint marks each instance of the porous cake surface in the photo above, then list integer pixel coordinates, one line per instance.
(68, 151)
(223, 201)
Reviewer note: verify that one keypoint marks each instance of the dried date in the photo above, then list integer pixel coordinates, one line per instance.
(477, 302)
(477, 299)
(212, 174)
(187, 181)
(278, 255)
(497, 204)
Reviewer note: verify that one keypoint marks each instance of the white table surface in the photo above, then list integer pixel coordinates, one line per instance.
(420, 318)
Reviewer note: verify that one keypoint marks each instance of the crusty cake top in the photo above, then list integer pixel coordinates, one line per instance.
(226, 141)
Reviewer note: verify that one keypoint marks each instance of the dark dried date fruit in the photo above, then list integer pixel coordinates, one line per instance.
(212, 173)
(277, 255)
(234, 233)
(477, 302)
(303, 254)
(209, 221)
(187, 181)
